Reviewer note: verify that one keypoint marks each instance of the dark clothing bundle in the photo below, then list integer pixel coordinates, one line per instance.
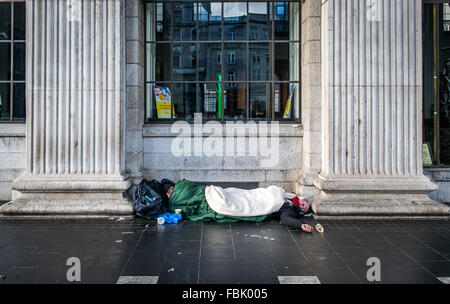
(290, 214)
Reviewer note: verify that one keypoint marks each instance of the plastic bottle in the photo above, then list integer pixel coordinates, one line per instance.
(161, 220)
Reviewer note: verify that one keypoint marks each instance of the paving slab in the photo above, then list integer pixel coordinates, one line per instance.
(128, 251)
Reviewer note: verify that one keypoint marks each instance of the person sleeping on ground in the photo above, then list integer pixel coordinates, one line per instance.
(293, 209)
(212, 203)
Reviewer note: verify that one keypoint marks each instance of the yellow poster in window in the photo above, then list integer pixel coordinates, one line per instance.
(163, 99)
(287, 110)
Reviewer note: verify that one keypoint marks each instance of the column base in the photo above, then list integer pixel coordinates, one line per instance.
(69, 195)
(304, 185)
(377, 198)
(306, 191)
(34, 207)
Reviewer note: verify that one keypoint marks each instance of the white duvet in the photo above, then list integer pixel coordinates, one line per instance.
(245, 203)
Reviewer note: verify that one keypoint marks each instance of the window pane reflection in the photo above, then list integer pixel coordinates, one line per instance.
(184, 61)
(184, 23)
(163, 70)
(19, 102)
(163, 19)
(19, 21)
(5, 21)
(210, 20)
(12, 61)
(259, 20)
(5, 61)
(5, 95)
(281, 20)
(210, 99)
(235, 101)
(286, 101)
(235, 20)
(210, 61)
(259, 100)
(184, 100)
(235, 61)
(19, 61)
(287, 61)
(259, 61)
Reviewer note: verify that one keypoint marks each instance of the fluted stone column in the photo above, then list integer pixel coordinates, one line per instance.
(372, 111)
(75, 110)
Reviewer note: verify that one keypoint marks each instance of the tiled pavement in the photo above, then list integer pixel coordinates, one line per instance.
(36, 251)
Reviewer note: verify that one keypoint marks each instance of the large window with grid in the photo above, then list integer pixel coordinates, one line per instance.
(226, 60)
(12, 61)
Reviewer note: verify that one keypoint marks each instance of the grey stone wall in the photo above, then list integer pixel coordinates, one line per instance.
(160, 163)
(12, 156)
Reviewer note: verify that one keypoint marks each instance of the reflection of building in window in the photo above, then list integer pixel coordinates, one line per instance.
(219, 57)
(177, 34)
(209, 98)
(159, 18)
(231, 57)
(256, 58)
(446, 17)
(232, 78)
(281, 12)
(436, 90)
(256, 75)
(177, 61)
(250, 69)
(254, 33)
(12, 61)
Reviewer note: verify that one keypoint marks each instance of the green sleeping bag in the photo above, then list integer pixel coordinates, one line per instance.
(190, 198)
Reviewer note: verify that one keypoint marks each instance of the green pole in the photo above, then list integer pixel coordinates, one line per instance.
(219, 94)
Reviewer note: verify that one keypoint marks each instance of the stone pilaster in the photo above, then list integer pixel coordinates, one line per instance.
(135, 107)
(75, 110)
(372, 111)
(310, 97)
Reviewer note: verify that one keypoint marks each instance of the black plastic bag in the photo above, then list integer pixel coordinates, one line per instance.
(147, 202)
(158, 187)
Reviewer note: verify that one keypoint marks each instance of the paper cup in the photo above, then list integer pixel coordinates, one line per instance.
(178, 211)
(319, 228)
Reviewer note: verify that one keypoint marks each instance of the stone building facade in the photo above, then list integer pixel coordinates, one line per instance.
(355, 150)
